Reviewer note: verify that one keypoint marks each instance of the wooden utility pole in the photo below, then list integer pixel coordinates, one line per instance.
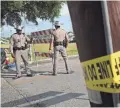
(97, 31)
(114, 16)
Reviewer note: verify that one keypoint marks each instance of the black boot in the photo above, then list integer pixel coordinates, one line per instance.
(30, 75)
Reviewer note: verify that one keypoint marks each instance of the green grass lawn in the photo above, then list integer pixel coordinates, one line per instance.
(71, 50)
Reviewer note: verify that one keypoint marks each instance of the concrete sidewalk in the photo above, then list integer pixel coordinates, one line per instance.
(45, 90)
(9, 93)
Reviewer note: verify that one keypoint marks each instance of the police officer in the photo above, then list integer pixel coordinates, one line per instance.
(60, 43)
(19, 50)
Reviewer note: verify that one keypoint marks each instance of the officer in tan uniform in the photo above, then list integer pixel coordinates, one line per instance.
(19, 50)
(59, 37)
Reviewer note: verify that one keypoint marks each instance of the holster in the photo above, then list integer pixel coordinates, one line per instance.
(64, 43)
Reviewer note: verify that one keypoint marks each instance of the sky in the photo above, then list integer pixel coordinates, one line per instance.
(29, 27)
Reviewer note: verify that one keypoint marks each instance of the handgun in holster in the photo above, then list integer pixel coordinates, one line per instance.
(64, 43)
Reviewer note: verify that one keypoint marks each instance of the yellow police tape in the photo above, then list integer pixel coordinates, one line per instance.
(103, 73)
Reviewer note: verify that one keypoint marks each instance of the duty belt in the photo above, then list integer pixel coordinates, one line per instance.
(58, 43)
(19, 48)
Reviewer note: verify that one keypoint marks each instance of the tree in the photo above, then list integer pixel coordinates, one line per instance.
(12, 11)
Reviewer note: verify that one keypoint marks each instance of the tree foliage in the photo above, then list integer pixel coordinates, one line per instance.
(12, 11)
